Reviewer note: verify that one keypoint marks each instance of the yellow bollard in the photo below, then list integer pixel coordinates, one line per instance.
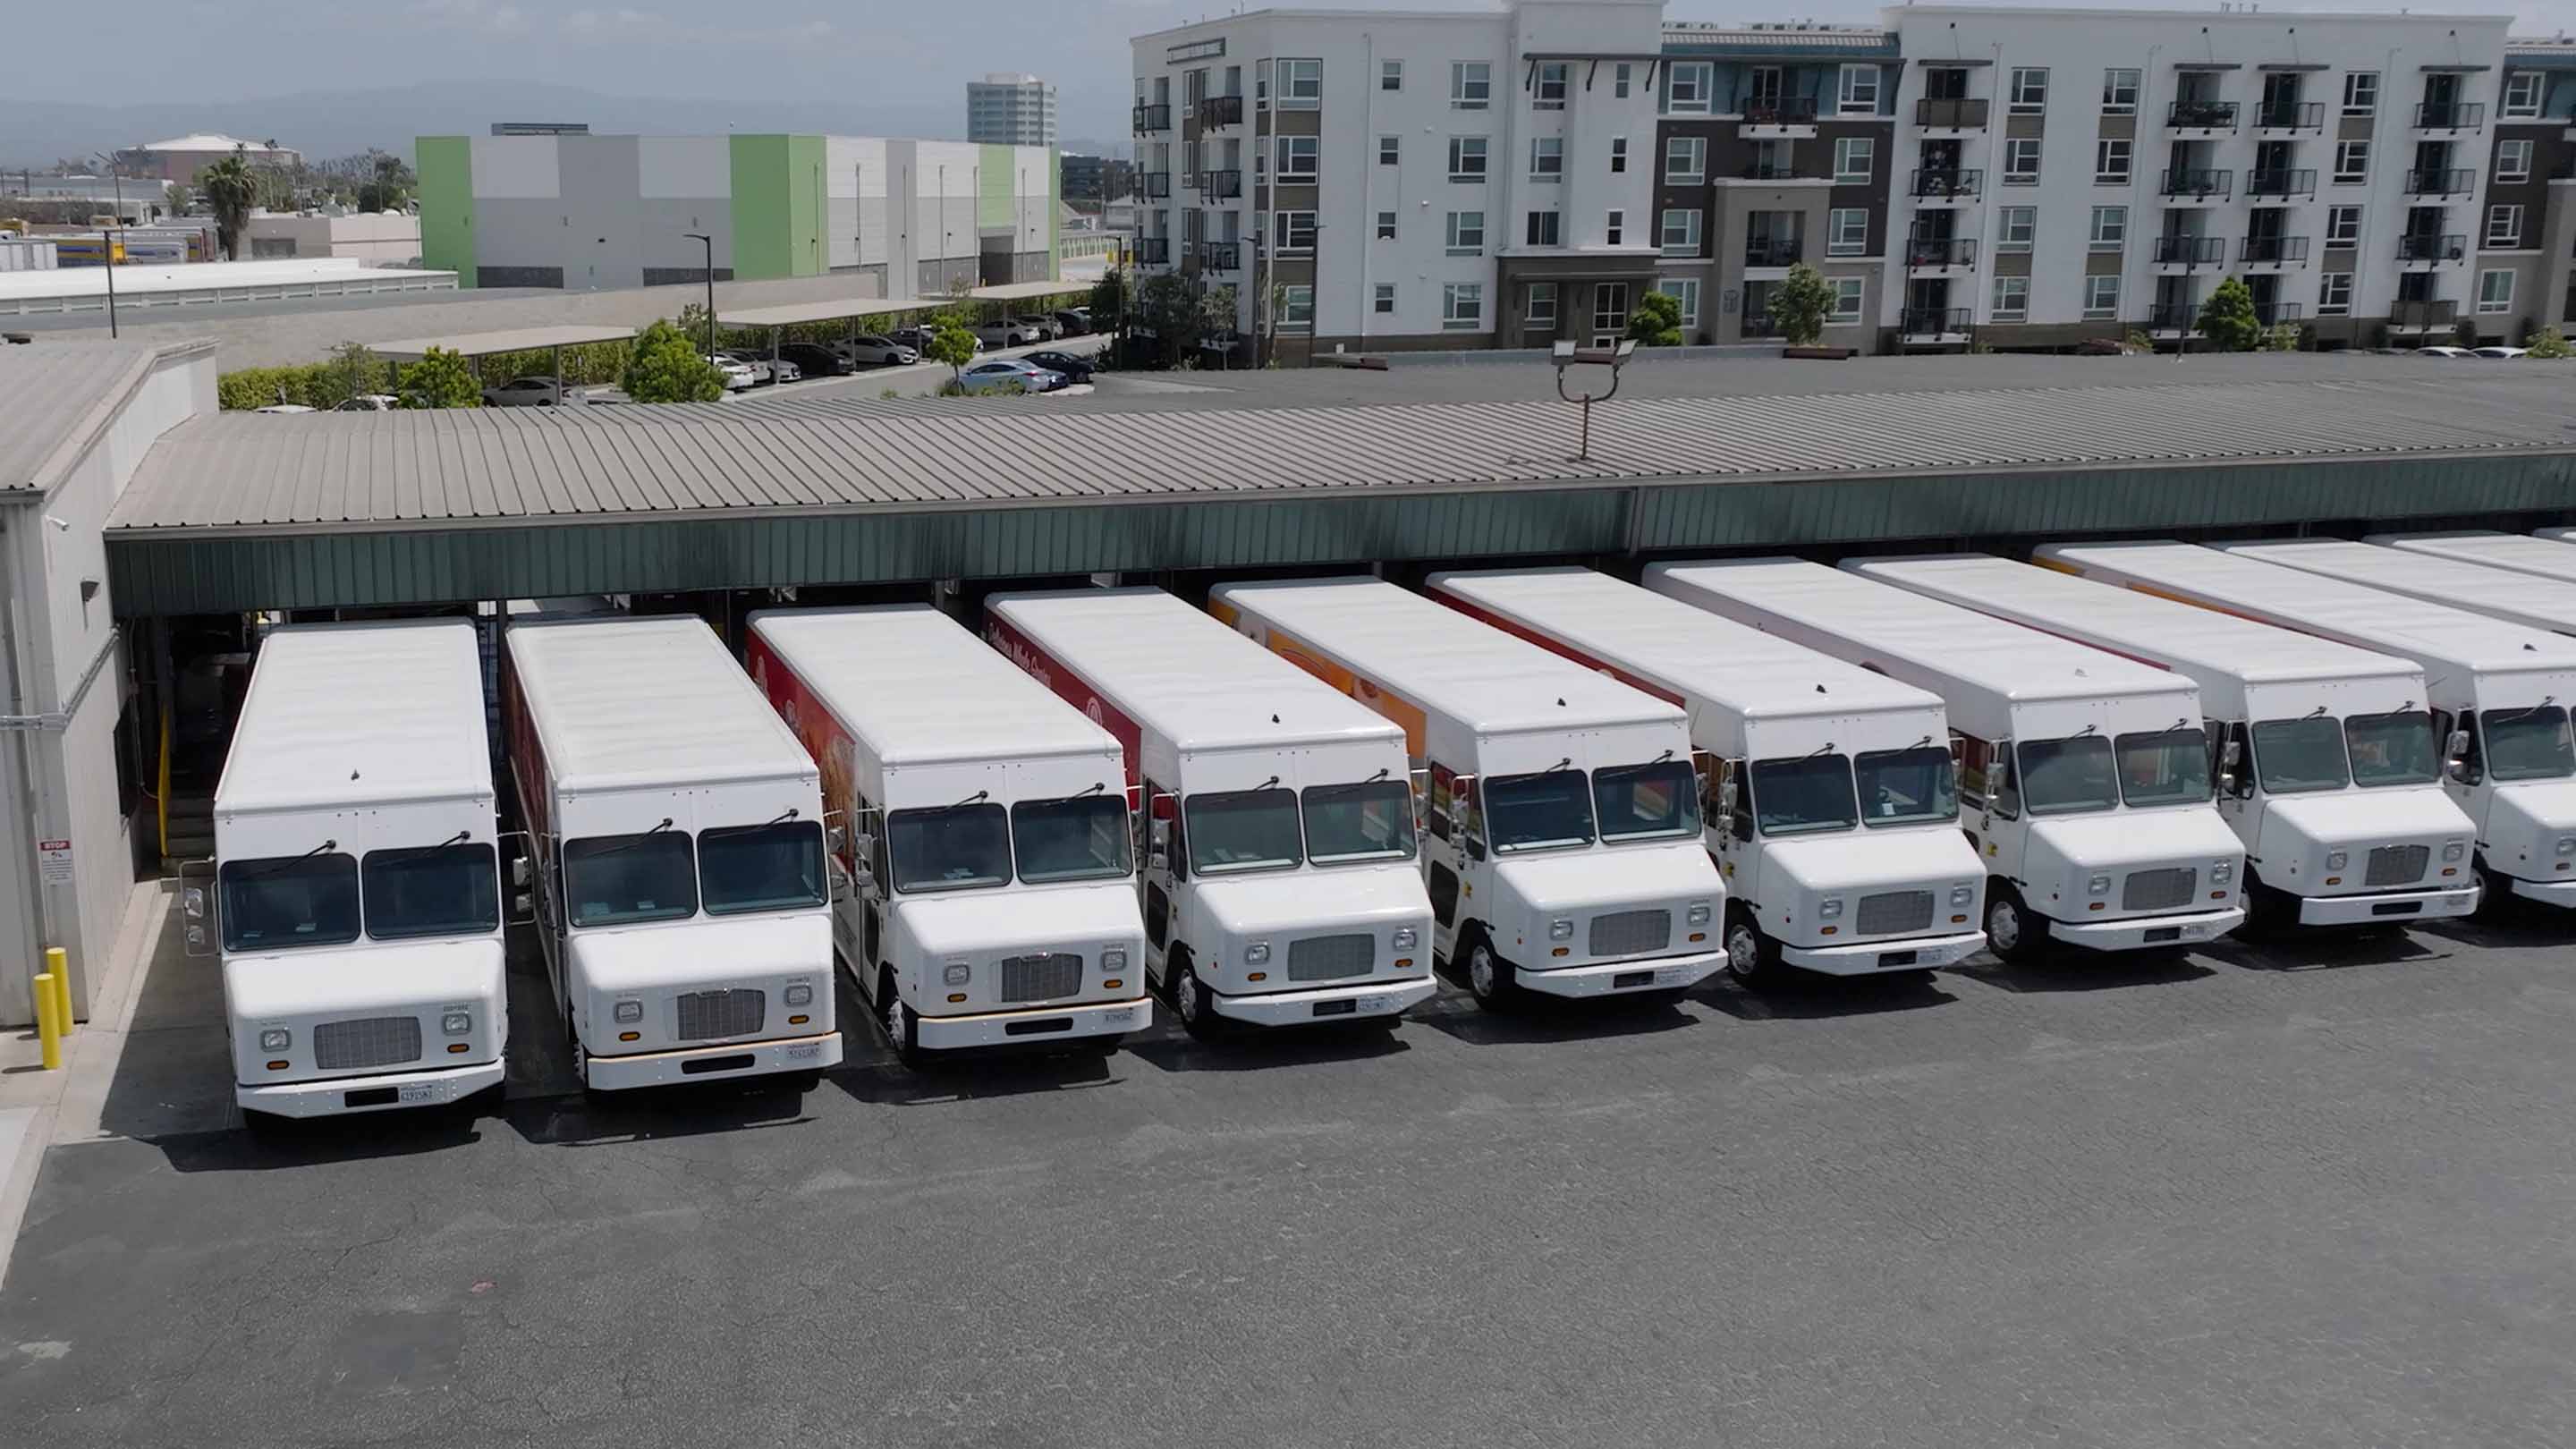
(58, 965)
(46, 1032)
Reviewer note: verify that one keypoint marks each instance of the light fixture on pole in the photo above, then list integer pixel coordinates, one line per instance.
(1566, 354)
(709, 243)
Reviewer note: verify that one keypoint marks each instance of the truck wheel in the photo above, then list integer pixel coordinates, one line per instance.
(2495, 894)
(901, 1023)
(1491, 978)
(580, 1067)
(2010, 932)
(1190, 997)
(1751, 957)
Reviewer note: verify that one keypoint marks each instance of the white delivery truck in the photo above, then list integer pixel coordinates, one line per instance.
(357, 891)
(1563, 852)
(2499, 691)
(983, 878)
(2084, 777)
(2328, 769)
(2522, 598)
(1278, 879)
(1855, 865)
(678, 841)
(2543, 555)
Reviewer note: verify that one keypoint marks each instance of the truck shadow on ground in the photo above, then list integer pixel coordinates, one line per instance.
(2086, 971)
(322, 1141)
(1806, 996)
(2329, 950)
(658, 1114)
(889, 1083)
(2512, 925)
(1454, 1012)
(1171, 1048)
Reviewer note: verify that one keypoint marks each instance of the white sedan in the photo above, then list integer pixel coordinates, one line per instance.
(737, 376)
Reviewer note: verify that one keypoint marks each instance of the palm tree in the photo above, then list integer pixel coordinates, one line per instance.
(231, 190)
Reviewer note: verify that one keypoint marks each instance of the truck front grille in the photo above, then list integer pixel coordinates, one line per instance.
(707, 1015)
(375, 1041)
(1041, 977)
(2159, 890)
(2395, 865)
(1630, 933)
(1893, 911)
(1330, 958)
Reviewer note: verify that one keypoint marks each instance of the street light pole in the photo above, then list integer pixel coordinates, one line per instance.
(709, 243)
(107, 256)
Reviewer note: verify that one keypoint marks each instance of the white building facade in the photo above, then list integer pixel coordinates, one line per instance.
(1010, 110)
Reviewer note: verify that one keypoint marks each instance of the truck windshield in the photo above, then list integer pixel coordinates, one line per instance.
(2295, 755)
(2393, 749)
(1804, 795)
(1546, 811)
(955, 848)
(440, 890)
(1084, 838)
(1907, 787)
(2527, 744)
(2062, 777)
(1243, 830)
(295, 900)
(761, 867)
(1368, 821)
(618, 880)
(1637, 802)
(2165, 768)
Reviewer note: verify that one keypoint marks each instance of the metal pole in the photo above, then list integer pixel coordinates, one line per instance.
(709, 242)
(107, 255)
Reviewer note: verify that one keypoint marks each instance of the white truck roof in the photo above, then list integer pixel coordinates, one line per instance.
(2433, 635)
(1684, 651)
(2521, 553)
(647, 701)
(917, 687)
(1178, 672)
(360, 714)
(2534, 602)
(1989, 665)
(1438, 659)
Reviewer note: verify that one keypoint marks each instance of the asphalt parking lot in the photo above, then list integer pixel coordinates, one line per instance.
(2305, 1194)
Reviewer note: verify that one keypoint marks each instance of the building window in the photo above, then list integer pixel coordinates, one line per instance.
(2014, 228)
(2120, 91)
(1685, 160)
(1681, 233)
(2352, 161)
(2495, 291)
(2334, 294)
(1301, 85)
(2522, 93)
(1390, 150)
(1848, 293)
(1462, 306)
(2101, 297)
(2110, 228)
(1847, 231)
(1466, 158)
(1386, 226)
(2029, 90)
(2021, 161)
(1609, 308)
(1859, 91)
(1295, 231)
(1619, 81)
(1466, 233)
(1297, 307)
(1618, 154)
(2012, 299)
(2111, 161)
(1471, 85)
(2504, 226)
(2513, 161)
(1685, 294)
(1686, 89)
(1384, 302)
(1541, 311)
(1545, 229)
(1390, 75)
(1547, 158)
(1855, 159)
(1551, 86)
(1617, 227)
(1298, 157)
(2361, 93)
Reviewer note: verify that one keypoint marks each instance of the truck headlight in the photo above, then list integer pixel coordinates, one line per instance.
(276, 1039)
(2222, 873)
(627, 1011)
(1560, 930)
(1832, 907)
(2335, 860)
(1406, 938)
(2455, 850)
(956, 973)
(798, 995)
(1114, 959)
(1256, 954)
(457, 1023)
(2567, 845)
(1962, 895)
(2099, 885)
(1698, 913)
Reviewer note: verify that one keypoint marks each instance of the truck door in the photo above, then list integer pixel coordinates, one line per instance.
(1440, 856)
(1158, 827)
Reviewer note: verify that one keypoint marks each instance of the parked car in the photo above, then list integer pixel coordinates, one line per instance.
(918, 340)
(737, 375)
(870, 350)
(1074, 321)
(2499, 354)
(2443, 352)
(1075, 369)
(536, 390)
(370, 402)
(1010, 374)
(813, 359)
(284, 408)
(783, 370)
(761, 375)
(1006, 334)
(1043, 324)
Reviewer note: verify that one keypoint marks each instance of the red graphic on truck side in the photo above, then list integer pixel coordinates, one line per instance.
(820, 731)
(1557, 647)
(1070, 687)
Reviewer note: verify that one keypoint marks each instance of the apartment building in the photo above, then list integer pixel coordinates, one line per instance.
(1006, 109)
(1389, 180)
(2526, 237)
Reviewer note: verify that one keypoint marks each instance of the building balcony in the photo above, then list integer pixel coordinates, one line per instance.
(1153, 251)
(1772, 251)
(2425, 249)
(2453, 181)
(2201, 115)
(1218, 112)
(1951, 184)
(2276, 314)
(1941, 254)
(1934, 324)
(2299, 182)
(2423, 314)
(2273, 251)
(1760, 324)
(1219, 185)
(2290, 116)
(2174, 319)
(1220, 256)
(1765, 171)
(1779, 117)
(1155, 184)
(2198, 183)
(1955, 113)
(2453, 116)
(2190, 251)
(1150, 119)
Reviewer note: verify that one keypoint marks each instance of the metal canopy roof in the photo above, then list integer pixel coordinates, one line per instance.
(1019, 291)
(797, 314)
(486, 344)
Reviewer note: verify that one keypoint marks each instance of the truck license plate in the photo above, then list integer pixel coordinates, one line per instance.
(420, 1092)
(1345, 1007)
(1896, 958)
(805, 1051)
(2157, 935)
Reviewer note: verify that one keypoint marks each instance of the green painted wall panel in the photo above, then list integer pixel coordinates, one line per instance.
(445, 166)
(777, 206)
(996, 203)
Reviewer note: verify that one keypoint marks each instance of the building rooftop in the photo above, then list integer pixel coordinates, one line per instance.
(209, 141)
(61, 396)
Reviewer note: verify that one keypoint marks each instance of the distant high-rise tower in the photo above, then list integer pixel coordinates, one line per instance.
(1010, 110)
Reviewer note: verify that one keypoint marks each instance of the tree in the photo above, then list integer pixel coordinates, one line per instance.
(1656, 321)
(951, 343)
(1109, 302)
(439, 380)
(231, 190)
(2227, 318)
(665, 366)
(1216, 314)
(1800, 305)
(2464, 333)
(1169, 304)
(2281, 337)
(352, 371)
(2549, 342)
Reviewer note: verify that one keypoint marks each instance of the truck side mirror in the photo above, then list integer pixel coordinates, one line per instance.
(523, 908)
(1726, 796)
(199, 938)
(2233, 752)
(1158, 846)
(836, 839)
(522, 874)
(2457, 746)
(193, 901)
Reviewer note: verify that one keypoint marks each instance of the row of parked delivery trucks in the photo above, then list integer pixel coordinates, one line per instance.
(1286, 808)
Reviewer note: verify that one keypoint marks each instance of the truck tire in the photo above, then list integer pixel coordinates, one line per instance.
(1190, 1000)
(1491, 979)
(1752, 957)
(901, 1024)
(2011, 932)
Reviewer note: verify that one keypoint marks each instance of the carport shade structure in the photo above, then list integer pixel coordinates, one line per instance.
(475, 346)
(801, 314)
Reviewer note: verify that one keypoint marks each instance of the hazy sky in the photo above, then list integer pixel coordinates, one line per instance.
(904, 51)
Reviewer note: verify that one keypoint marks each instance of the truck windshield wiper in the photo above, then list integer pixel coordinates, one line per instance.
(274, 866)
(632, 841)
